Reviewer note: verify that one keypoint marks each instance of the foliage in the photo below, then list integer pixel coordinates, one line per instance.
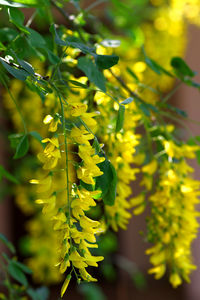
(92, 107)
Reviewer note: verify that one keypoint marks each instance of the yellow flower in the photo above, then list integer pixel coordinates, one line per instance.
(49, 157)
(52, 121)
(44, 185)
(86, 276)
(65, 285)
(175, 279)
(150, 168)
(49, 204)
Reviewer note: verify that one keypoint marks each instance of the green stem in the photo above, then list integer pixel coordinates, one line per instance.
(66, 155)
(67, 18)
(58, 64)
(168, 96)
(16, 105)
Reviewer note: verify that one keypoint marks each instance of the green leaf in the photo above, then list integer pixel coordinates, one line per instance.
(132, 74)
(17, 274)
(177, 110)
(35, 3)
(2, 47)
(139, 280)
(181, 67)
(7, 175)
(8, 34)
(127, 101)
(16, 17)
(75, 42)
(35, 39)
(79, 84)
(107, 182)
(120, 118)
(22, 267)
(11, 3)
(92, 72)
(106, 61)
(53, 58)
(58, 40)
(22, 147)
(41, 293)
(26, 66)
(37, 136)
(154, 66)
(23, 3)
(6, 242)
(91, 292)
(17, 73)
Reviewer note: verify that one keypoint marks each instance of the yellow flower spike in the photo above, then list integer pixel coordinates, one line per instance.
(65, 285)
(175, 279)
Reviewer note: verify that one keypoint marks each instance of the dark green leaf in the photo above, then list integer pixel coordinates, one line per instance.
(75, 42)
(17, 274)
(120, 118)
(127, 101)
(41, 293)
(139, 280)
(17, 73)
(107, 183)
(6, 174)
(79, 84)
(37, 136)
(35, 39)
(181, 67)
(58, 40)
(177, 110)
(2, 47)
(132, 74)
(16, 17)
(92, 72)
(22, 147)
(22, 267)
(8, 34)
(26, 66)
(106, 61)
(53, 58)
(8, 244)
(91, 292)
(154, 66)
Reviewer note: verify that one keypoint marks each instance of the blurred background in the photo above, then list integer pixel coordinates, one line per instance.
(166, 29)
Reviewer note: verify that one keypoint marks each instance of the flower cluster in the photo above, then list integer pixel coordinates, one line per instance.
(172, 225)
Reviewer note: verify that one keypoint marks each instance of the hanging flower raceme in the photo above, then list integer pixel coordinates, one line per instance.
(172, 225)
(67, 209)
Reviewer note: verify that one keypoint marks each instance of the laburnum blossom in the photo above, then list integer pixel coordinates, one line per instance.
(76, 232)
(173, 225)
